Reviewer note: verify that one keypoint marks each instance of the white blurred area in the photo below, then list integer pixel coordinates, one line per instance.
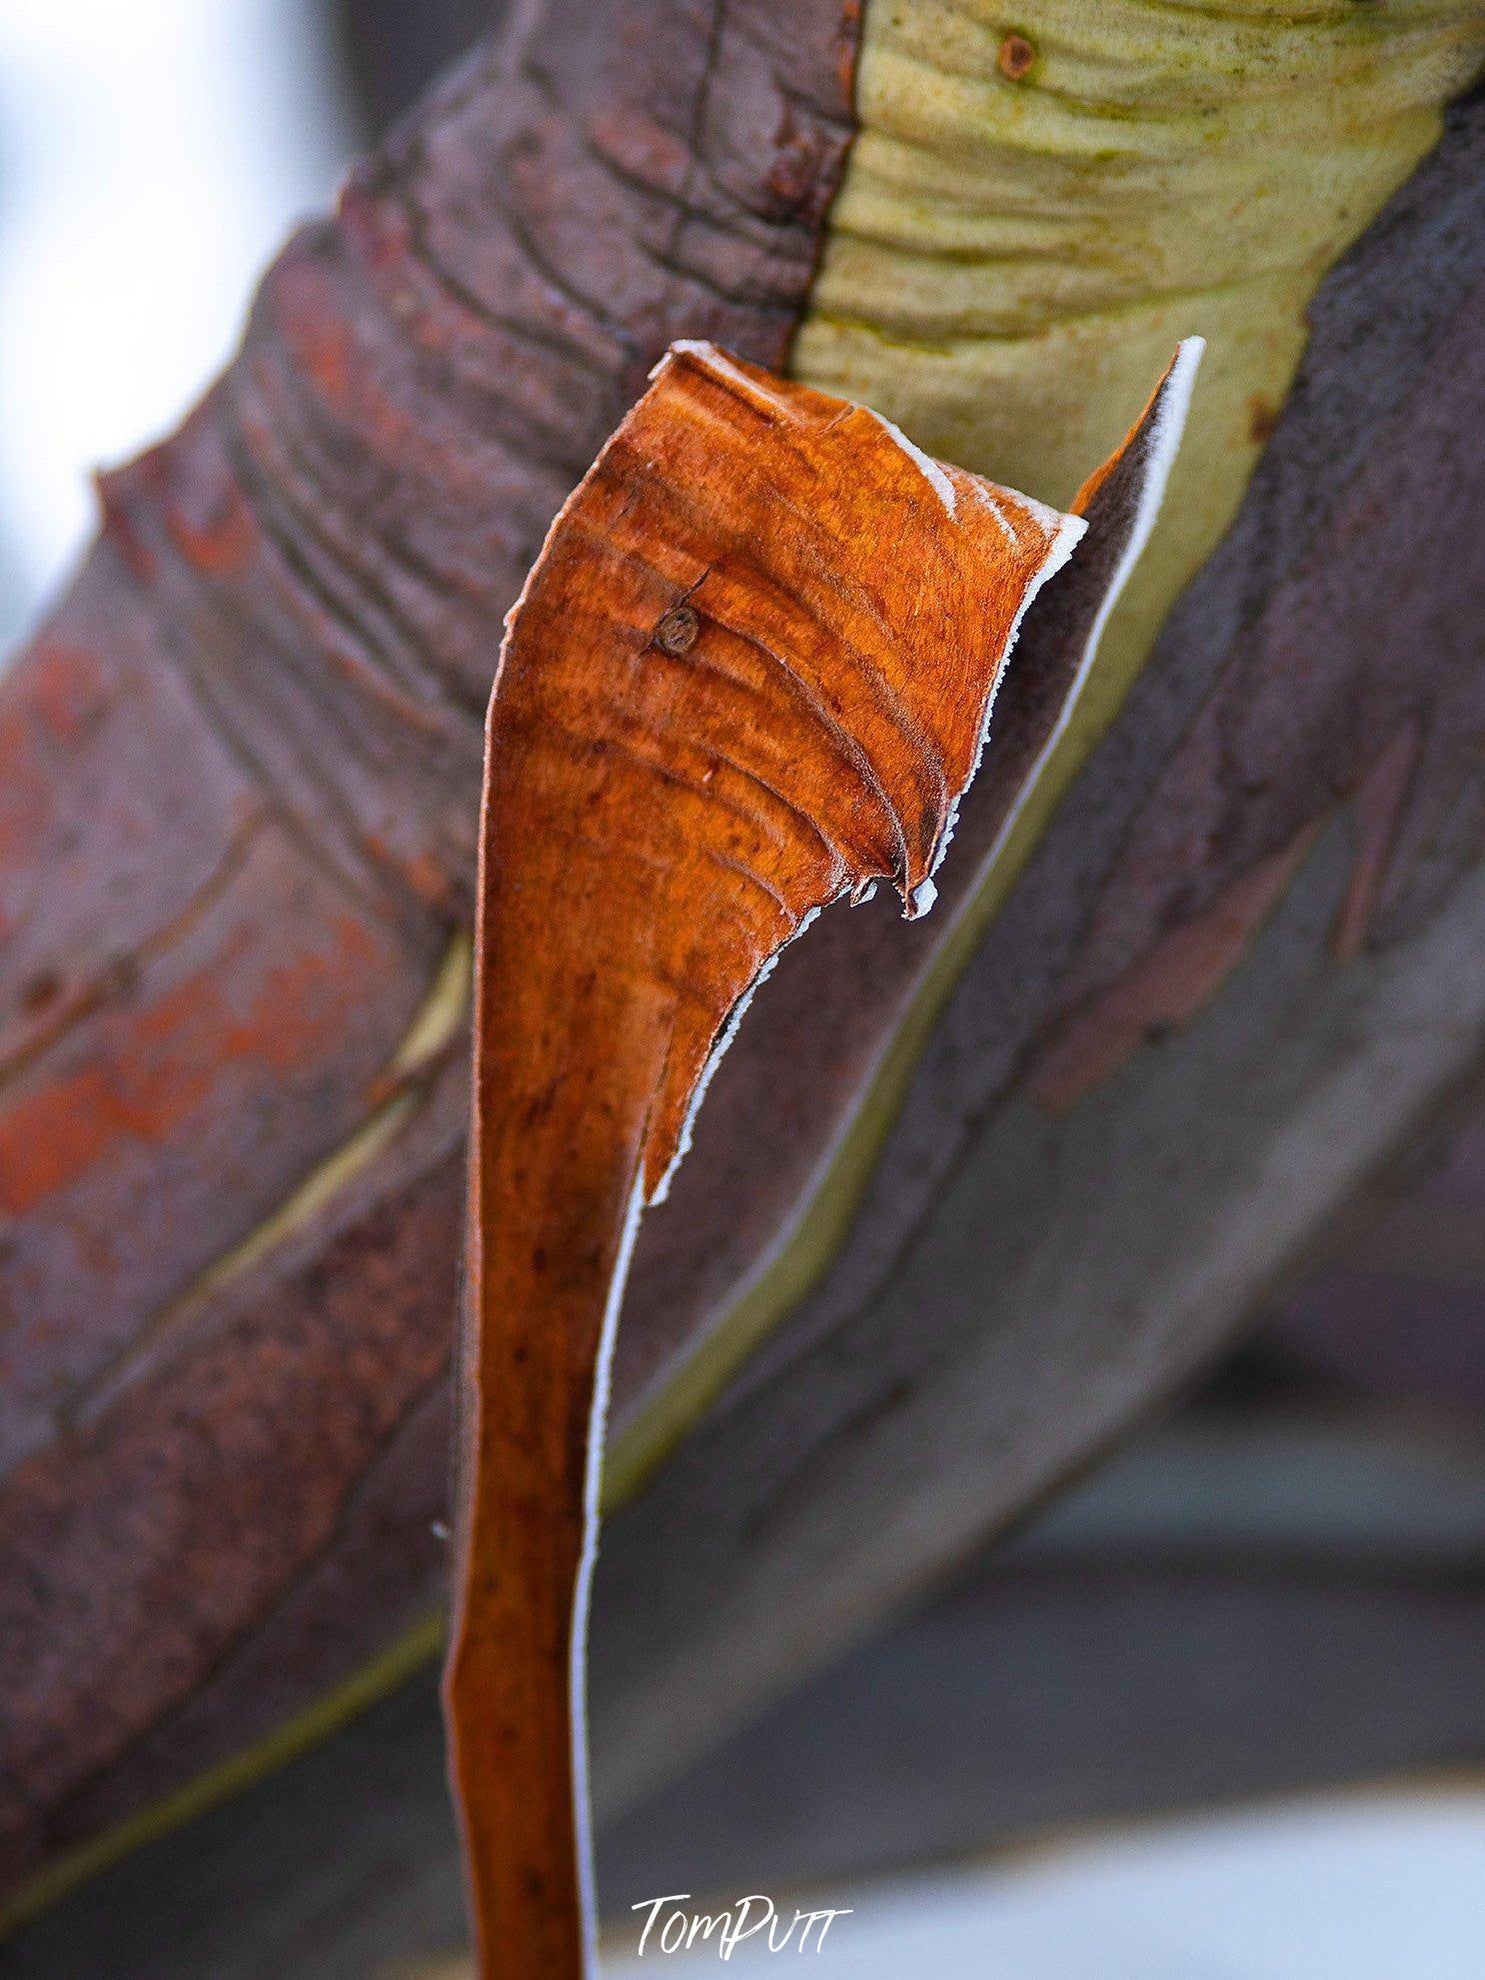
(152, 155)
(1385, 1887)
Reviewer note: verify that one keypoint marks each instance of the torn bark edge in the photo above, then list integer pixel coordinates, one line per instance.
(925, 744)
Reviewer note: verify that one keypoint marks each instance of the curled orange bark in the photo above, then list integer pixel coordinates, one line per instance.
(750, 675)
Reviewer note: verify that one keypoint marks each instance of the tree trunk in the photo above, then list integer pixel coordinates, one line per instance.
(236, 858)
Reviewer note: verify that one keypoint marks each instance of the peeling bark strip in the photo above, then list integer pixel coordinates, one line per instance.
(751, 674)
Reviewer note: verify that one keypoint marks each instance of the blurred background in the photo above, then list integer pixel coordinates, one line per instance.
(1219, 1712)
(151, 159)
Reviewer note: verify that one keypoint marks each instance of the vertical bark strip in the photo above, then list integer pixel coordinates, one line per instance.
(721, 707)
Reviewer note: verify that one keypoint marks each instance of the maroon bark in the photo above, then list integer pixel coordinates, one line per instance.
(236, 836)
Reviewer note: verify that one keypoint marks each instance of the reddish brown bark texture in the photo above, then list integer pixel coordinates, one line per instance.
(236, 833)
